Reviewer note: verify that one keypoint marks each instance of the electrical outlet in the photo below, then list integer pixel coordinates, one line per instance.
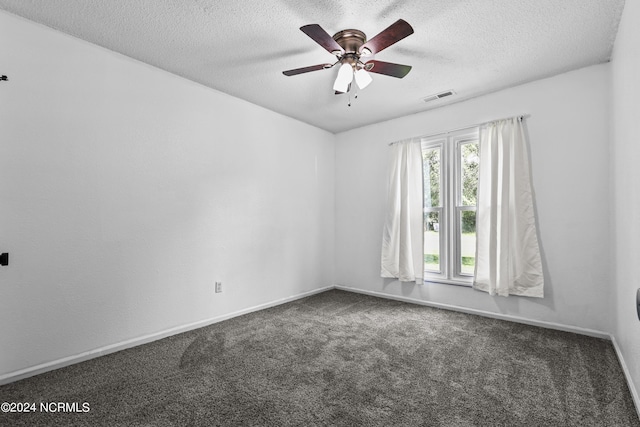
(218, 287)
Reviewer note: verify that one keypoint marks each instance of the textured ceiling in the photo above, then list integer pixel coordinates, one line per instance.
(242, 47)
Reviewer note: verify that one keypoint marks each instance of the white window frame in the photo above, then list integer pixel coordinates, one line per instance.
(451, 205)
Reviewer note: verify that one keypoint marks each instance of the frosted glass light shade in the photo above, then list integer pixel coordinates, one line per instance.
(345, 75)
(362, 78)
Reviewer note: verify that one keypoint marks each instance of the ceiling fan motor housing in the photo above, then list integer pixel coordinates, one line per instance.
(350, 40)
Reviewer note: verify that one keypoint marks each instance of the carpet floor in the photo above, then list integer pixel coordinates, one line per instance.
(341, 359)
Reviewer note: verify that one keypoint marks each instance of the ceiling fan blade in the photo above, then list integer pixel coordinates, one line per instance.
(321, 37)
(387, 68)
(394, 33)
(306, 69)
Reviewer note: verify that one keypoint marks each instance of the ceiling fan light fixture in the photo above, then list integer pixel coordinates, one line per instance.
(362, 78)
(345, 76)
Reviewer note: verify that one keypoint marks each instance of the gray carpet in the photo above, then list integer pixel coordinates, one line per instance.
(343, 359)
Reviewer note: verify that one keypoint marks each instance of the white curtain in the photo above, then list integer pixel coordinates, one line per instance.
(507, 253)
(402, 247)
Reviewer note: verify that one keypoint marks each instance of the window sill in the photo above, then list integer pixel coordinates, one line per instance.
(468, 283)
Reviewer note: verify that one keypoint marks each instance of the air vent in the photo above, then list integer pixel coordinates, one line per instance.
(438, 96)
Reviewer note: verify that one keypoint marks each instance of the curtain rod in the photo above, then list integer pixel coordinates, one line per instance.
(520, 117)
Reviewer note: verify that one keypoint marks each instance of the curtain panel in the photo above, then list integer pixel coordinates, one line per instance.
(402, 248)
(508, 258)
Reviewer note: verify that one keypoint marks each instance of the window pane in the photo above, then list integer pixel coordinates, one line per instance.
(467, 242)
(432, 241)
(469, 162)
(431, 170)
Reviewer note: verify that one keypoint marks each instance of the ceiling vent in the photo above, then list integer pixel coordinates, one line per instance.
(438, 96)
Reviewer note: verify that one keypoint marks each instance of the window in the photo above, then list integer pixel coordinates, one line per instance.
(450, 173)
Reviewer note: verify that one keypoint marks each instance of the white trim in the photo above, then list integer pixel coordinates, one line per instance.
(436, 280)
(102, 351)
(634, 392)
(483, 313)
(450, 203)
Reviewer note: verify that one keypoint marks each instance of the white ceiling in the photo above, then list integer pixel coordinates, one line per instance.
(241, 47)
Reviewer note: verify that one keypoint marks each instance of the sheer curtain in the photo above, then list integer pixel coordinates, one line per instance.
(402, 248)
(507, 253)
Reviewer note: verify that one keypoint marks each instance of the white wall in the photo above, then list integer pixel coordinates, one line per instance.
(625, 174)
(125, 192)
(569, 135)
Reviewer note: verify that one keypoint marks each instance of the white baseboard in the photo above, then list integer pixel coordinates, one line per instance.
(102, 351)
(627, 375)
(511, 318)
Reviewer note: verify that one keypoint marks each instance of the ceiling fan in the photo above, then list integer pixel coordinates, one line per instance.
(355, 53)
